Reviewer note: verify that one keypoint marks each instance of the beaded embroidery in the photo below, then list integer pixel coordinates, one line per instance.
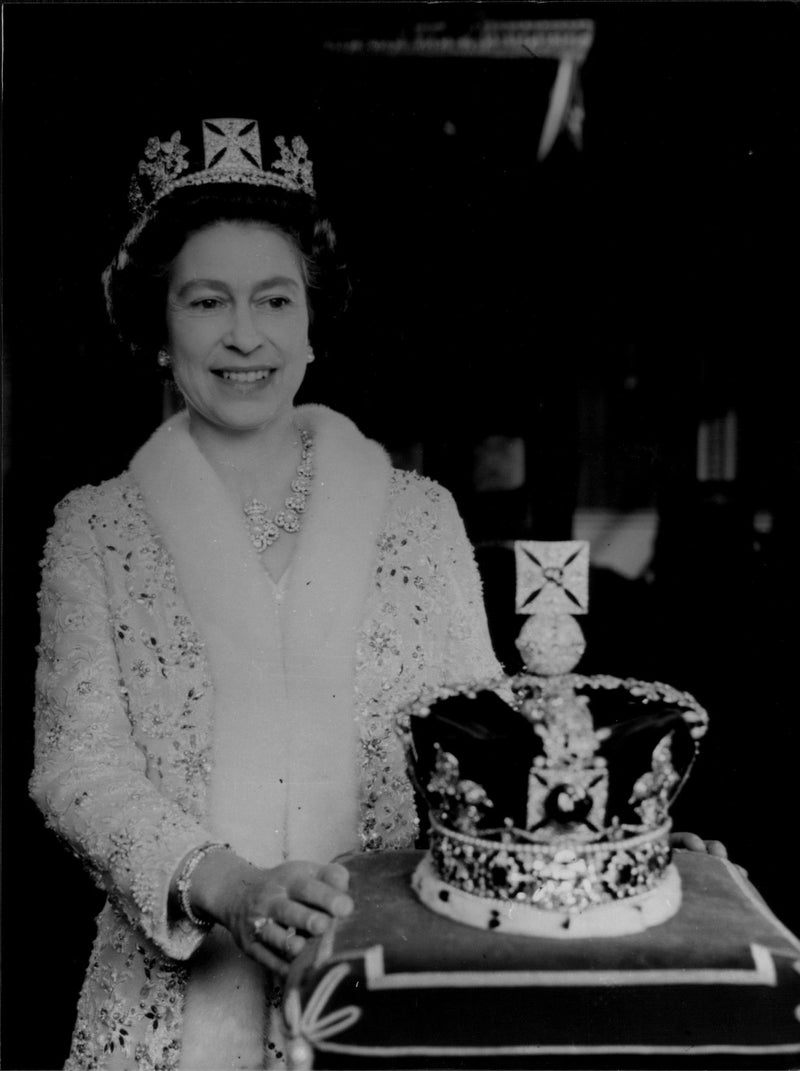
(152, 682)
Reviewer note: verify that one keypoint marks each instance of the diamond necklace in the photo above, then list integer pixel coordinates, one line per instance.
(265, 530)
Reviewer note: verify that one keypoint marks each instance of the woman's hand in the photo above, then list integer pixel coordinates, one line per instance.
(270, 913)
(693, 843)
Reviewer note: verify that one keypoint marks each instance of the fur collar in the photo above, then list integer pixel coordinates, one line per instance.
(283, 672)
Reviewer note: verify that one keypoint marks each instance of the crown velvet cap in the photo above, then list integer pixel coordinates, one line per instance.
(549, 791)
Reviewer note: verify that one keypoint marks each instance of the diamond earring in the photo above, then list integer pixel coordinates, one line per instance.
(164, 359)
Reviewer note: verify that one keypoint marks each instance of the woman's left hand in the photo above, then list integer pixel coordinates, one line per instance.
(691, 842)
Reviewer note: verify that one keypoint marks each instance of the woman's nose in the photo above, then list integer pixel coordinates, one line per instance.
(243, 333)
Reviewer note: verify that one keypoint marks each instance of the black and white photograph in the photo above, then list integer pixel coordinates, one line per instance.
(400, 571)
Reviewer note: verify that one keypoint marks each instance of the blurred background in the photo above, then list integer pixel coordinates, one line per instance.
(574, 252)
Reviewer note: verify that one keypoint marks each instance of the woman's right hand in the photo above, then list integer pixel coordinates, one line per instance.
(270, 913)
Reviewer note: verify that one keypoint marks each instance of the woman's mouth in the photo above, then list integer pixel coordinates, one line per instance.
(250, 376)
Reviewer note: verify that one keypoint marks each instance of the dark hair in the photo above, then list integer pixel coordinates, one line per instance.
(136, 281)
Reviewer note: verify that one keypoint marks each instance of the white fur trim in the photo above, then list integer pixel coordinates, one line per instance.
(285, 762)
(232, 604)
(328, 584)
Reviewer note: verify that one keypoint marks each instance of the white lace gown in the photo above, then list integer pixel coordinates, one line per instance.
(179, 688)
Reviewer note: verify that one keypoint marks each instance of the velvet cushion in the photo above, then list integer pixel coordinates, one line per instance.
(717, 986)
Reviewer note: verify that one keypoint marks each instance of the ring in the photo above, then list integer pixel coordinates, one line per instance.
(290, 932)
(259, 924)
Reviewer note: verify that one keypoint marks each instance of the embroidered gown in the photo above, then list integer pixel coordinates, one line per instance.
(182, 697)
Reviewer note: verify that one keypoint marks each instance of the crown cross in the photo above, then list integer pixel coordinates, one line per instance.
(232, 144)
(552, 578)
(552, 587)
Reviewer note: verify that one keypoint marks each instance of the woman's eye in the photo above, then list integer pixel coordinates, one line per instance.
(206, 304)
(275, 301)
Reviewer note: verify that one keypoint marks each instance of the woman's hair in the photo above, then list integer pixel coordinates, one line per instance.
(136, 281)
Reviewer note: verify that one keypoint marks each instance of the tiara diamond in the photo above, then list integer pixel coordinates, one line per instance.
(294, 163)
(164, 161)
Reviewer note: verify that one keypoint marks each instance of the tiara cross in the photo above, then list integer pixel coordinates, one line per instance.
(231, 143)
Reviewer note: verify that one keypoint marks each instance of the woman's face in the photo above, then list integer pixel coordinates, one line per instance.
(237, 325)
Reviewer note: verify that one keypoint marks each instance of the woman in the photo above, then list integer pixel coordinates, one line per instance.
(227, 626)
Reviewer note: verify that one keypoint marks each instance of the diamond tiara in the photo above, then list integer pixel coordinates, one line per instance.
(231, 153)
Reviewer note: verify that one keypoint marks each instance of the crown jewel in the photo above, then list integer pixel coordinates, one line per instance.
(549, 792)
(231, 152)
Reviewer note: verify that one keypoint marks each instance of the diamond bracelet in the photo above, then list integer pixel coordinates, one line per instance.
(184, 882)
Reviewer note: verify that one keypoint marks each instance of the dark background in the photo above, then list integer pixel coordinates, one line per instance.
(653, 276)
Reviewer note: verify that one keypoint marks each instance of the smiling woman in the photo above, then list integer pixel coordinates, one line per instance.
(237, 328)
(228, 626)
(136, 281)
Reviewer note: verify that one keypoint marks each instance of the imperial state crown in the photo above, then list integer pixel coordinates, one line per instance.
(549, 791)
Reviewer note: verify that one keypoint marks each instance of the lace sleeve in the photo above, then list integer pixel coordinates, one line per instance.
(469, 648)
(89, 776)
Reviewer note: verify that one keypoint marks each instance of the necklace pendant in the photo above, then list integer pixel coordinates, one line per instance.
(263, 530)
(288, 520)
(255, 511)
(259, 541)
(296, 503)
(271, 533)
